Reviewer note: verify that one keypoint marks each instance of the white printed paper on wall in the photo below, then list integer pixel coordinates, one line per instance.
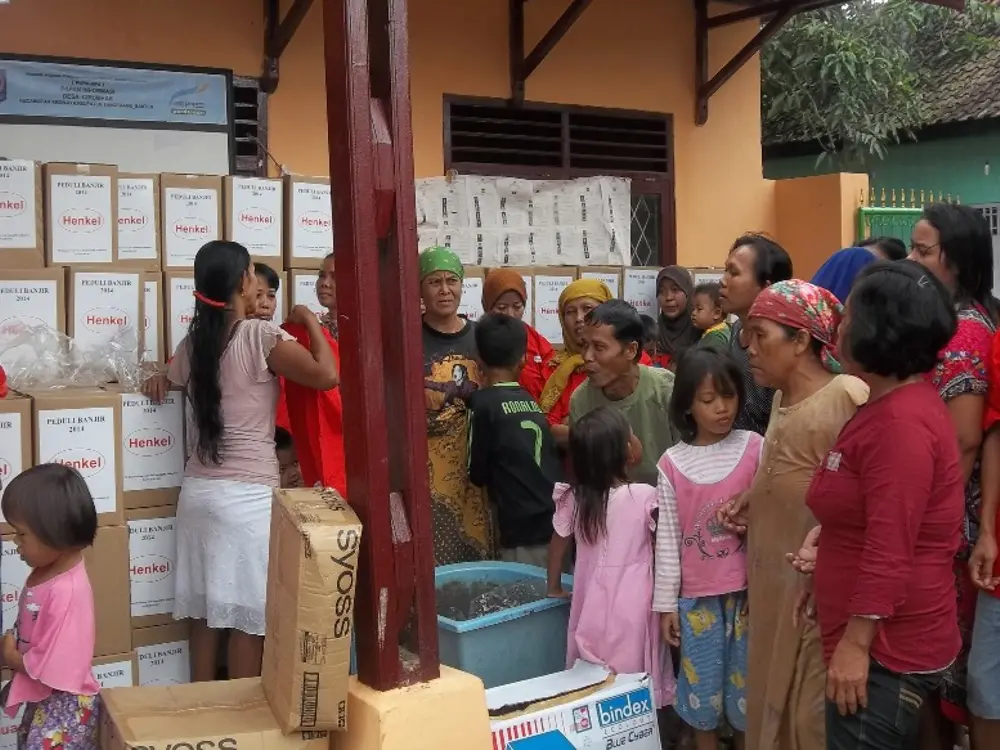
(151, 313)
(11, 450)
(17, 205)
(312, 217)
(181, 308)
(547, 291)
(152, 442)
(256, 220)
(136, 218)
(83, 229)
(190, 219)
(164, 664)
(105, 306)
(640, 289)
(152, 549)
(503, 221)
(85, 440)
(25, 305)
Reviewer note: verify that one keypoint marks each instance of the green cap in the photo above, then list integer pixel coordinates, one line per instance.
(440, 259)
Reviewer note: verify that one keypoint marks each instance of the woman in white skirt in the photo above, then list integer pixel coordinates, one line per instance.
(228, 366)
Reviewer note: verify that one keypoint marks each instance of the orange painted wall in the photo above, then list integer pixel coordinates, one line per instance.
(815, 217)
(635, 55)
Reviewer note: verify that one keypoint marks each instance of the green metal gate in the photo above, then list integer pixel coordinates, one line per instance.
(892, 216)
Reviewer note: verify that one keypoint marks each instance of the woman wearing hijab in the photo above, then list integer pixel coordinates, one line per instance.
(675, 331)
(838, 273)
(504, 293)
(791, 328)
(463, 530)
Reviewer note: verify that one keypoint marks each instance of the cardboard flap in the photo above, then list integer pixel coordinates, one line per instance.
(548, 690)
(320, 516)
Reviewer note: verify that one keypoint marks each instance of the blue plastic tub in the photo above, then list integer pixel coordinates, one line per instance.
(509, 646)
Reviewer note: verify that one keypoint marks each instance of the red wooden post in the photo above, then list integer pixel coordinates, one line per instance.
(371, 174)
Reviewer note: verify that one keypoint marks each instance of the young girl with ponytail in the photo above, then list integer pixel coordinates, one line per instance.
(229, 365)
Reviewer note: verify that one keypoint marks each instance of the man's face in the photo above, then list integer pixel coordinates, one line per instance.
(605, 359)
(739, 282)
(267, 300)
(441, 292)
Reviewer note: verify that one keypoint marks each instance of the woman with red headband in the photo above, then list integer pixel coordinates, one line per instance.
(229, 365)
(790, 332)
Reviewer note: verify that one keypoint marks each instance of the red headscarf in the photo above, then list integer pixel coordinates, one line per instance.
(799, 304)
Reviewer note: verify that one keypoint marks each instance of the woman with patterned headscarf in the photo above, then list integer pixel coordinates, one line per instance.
(505, 293)
(564, 372)
(791, 330)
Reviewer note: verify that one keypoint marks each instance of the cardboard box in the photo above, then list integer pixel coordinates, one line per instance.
(107, 569)
(255, 216)
(549, 284)
(302, 290)
(584, 707)
(30, 298)
(139, 221)
(472, 293)
(152, 305)
(152, 449)
(191, 207)
(163, 654)
(639, 289)
(81, 209)
(152, 550)
(228, 715)
(178, 295)
(311, 573)
(15, 443)
(106, 306)
(82, 428)
(116, 670)
(308, 221)
(706, 275)
(281, 307)
(22, 230)
(610, 275)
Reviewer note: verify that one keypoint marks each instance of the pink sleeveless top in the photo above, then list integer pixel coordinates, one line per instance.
(713, 560)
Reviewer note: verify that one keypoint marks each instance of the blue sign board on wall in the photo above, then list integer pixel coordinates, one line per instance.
(31, 88)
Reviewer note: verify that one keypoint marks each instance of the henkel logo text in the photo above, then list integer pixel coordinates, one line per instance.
(10, 327)
(87, 461)
(9, 595)
(131, 220)
(149, 441)
(150, 568)
(192, 229)
(185, 318)
(5, 469)
(624, 707)
(83, 220)
(315, 221)
(256, 218)
(102, 319)
(11, 204)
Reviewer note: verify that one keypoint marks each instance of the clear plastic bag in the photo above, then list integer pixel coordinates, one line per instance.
(41, 358)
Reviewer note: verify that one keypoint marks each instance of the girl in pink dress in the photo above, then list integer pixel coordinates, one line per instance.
(51, 647)
(611, 619)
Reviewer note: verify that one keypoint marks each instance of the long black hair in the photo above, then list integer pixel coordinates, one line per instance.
(219, 269)
(966, 242)
(598, 452)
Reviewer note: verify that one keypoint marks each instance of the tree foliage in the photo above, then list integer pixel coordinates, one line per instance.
(857, 77)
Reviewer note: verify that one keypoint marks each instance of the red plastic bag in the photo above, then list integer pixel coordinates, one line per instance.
(316, 421)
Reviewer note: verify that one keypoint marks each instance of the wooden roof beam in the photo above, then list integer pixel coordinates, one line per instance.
(521, 65)
(278, 34)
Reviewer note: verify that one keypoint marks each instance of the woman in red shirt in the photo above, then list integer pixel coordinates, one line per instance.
(890, 500)
(504, 293)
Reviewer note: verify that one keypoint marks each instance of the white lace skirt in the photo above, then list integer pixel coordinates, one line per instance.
(222, 532)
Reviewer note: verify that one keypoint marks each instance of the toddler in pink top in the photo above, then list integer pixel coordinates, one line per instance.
(50, 650)
(701, 570)
(611, 618)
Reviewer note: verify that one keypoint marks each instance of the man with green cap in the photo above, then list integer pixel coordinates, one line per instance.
(463, 530)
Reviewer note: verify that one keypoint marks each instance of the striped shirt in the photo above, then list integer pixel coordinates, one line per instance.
(700, 464)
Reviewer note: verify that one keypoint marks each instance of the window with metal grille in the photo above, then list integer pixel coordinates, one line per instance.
(249, 127)
(545, 141)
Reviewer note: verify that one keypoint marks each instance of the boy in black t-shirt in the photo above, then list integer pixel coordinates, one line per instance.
(511, 450)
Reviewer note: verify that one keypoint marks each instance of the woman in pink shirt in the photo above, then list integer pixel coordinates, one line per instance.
(229, 365)
(51, 646)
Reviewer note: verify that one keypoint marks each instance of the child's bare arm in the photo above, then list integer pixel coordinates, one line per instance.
(557, 554)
